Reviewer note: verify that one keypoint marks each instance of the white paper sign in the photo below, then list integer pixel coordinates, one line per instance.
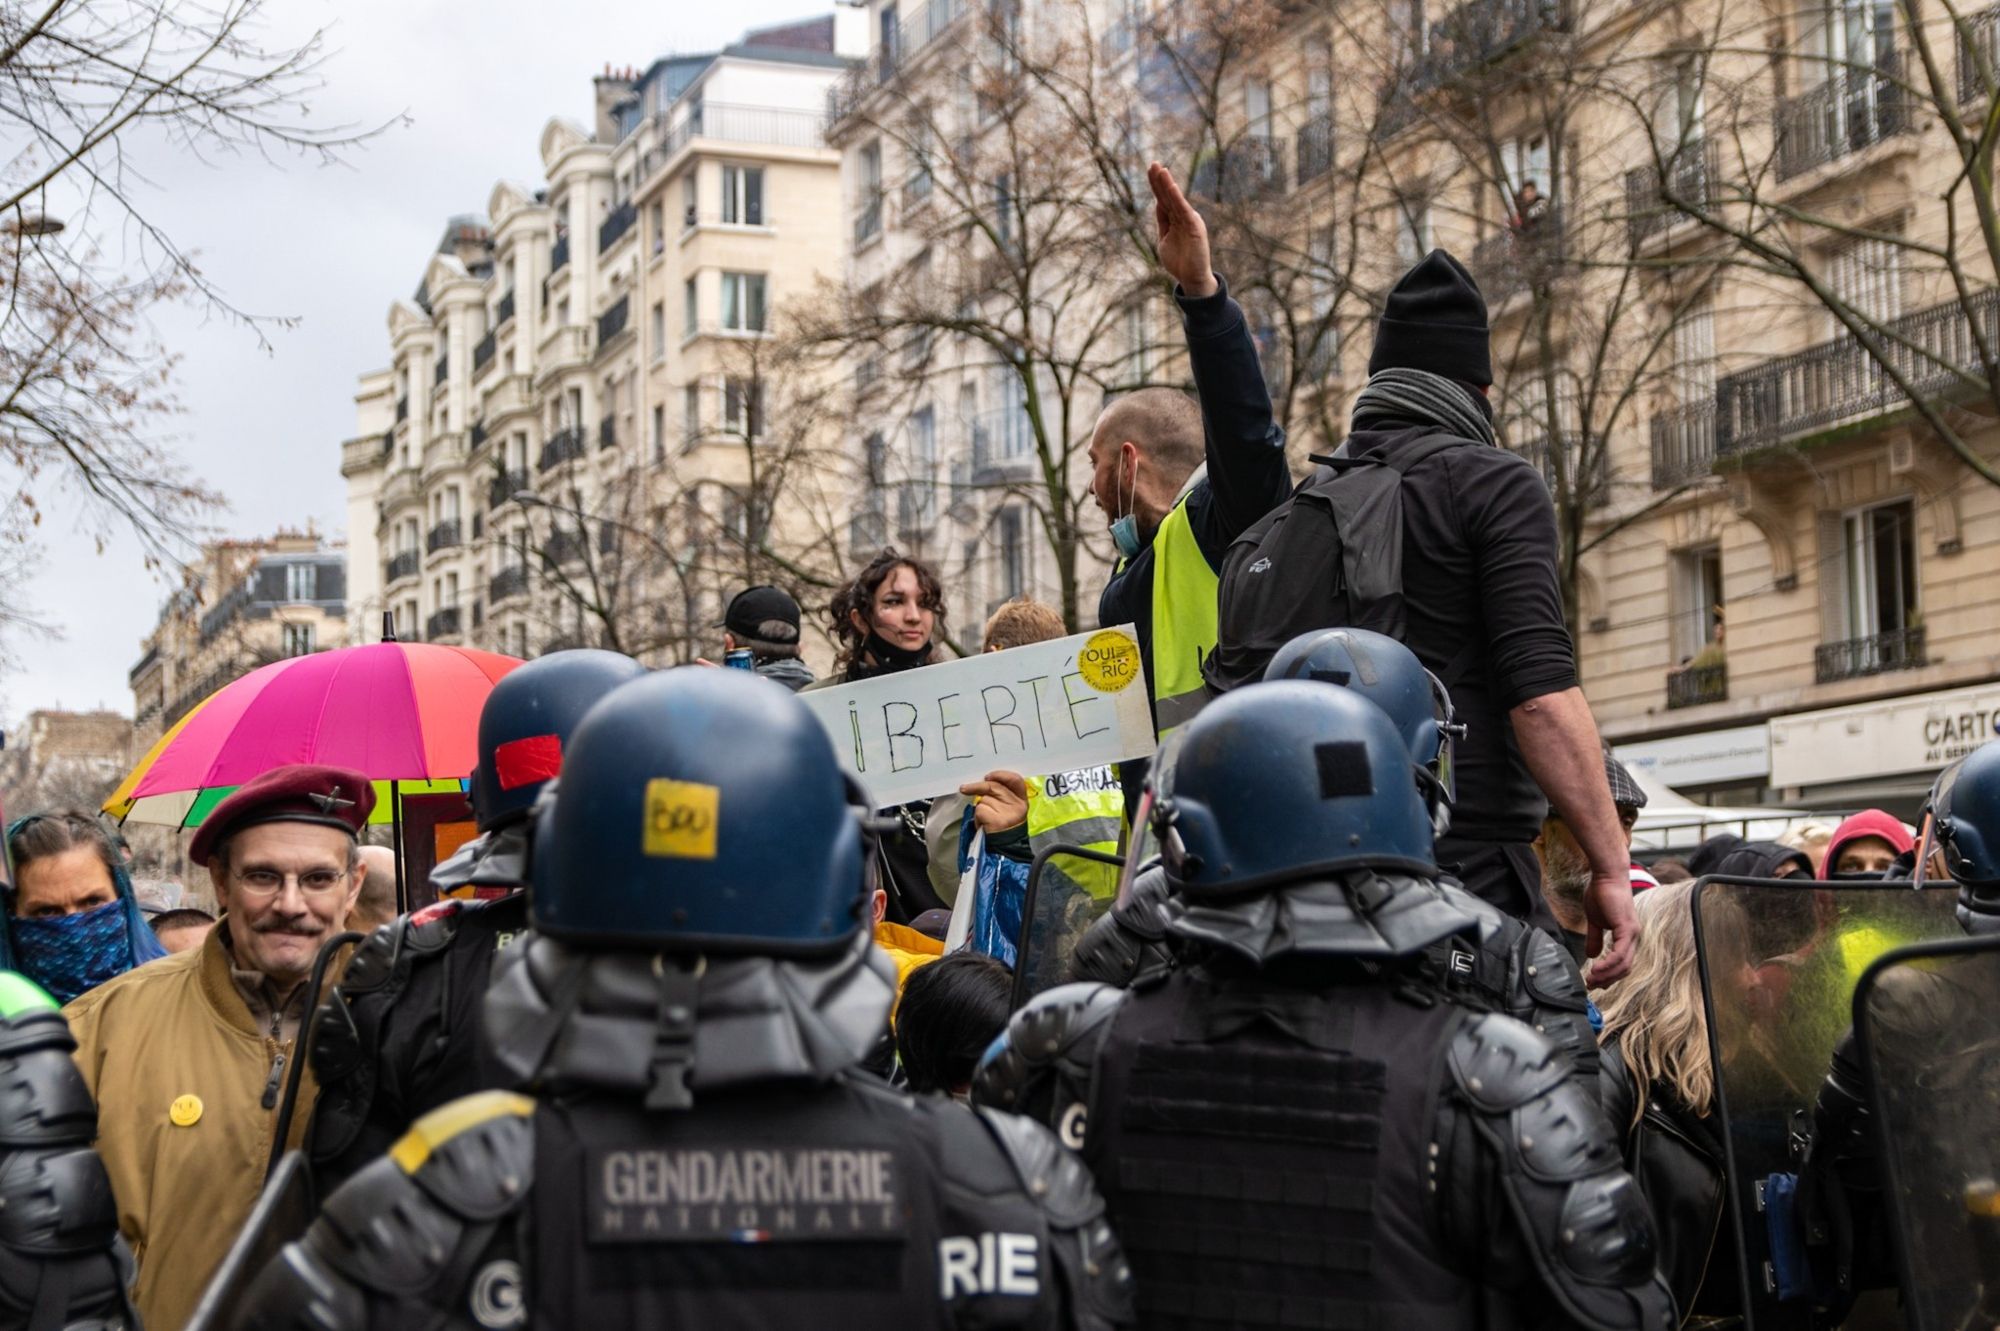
(1051, 707)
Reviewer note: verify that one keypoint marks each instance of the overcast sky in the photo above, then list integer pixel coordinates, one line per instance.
(333, 247)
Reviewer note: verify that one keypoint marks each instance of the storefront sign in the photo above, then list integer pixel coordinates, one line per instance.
(1741, 753)
(1902, 735)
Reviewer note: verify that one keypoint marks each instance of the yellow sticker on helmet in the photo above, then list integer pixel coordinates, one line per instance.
(681, 818)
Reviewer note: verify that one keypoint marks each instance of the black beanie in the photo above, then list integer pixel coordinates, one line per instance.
(1435, 319)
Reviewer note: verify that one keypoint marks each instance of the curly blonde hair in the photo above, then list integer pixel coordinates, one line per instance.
(1655, 1013)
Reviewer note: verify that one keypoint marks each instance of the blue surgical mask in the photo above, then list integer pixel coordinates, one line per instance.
(1125, 530)
(72, 954)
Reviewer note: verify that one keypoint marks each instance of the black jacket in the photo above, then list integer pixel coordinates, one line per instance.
(1246, 477)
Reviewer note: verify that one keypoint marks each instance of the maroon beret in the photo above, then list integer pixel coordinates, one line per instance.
(299, 793)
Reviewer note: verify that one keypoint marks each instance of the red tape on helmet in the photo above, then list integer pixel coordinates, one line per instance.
(522, 762)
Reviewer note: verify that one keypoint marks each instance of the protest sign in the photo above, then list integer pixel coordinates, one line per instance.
(1051, 707)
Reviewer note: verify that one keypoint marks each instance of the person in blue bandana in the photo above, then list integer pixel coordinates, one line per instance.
(72, 922)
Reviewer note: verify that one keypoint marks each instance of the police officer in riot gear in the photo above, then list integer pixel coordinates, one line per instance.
(63, 1265)
(399, 1036)
(699, 1149)
(1507, 965)
(1294, 1129)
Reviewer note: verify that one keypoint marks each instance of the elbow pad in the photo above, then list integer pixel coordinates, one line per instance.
(1044, 1063)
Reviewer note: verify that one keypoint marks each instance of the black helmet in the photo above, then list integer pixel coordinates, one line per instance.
(1388, 674)
(526, 722)
(1286, 781)
(1964, 807)
(701, 811)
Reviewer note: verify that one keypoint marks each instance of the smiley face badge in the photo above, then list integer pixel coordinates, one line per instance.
(185, 1111)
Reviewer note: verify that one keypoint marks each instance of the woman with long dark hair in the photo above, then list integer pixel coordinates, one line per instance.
(889, 619)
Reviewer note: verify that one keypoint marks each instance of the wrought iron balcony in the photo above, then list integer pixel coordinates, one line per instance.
(1315, 148)
(562, 446)
(616, 224)
(403, 565)
(482, 354)
(1683, 444)
(443, 536)
(613, 321)
(1839, 382)
(1695, 685)
(559, 254)
(507, 584)
(1691, 176)
(443, 624)
(1477, 34)
(1852, 110)
(768, 126)
(505, 309)
(1978, 41)
(504, 487)
(1253, 167)
(1526, 254)
(1876, 654)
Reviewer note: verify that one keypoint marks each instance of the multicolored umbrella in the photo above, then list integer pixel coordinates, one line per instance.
(403, 713)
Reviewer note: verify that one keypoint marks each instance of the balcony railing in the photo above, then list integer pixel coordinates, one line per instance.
(1697, 685)
(1683, 444)
(1525, 254)
(504, 487)
(1690, 177)
(868, 221)
(443, 536)
(1853, 109)
(1839, 381)
(769, 126)
(559, 254)
(616, 224)
(562, 446)
(925, 22)
(607, 432)
(482, 353)
(1478, 33)
(443, 624)
(1001, 449)
(504, 311)
(1315, 148)
(1253, 167)
(403, 565)
(612, 322)
(1978, 41)
(1877, 654)
(507, 584)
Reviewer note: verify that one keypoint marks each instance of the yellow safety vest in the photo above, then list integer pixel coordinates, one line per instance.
(1084, 808)
(1184, 595)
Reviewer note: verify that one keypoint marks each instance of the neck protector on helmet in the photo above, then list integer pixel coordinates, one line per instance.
(1363, 913)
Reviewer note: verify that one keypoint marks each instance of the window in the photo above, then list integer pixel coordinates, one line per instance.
(1003, 212)
(691, 412)
(562, 312)
(868, 214)
(1878, 570)
(1409, 34)
(1013, 553)
(889, 41)
(298, 637)
(1694, 356)
(690, 309)
(301, 584)
(520, 636)
(920, 509)
(1017, 436)
(1413, 231)
(1257, 107)
(657, 329)
(1527, 163)
(450, 600)
(1698, 603)
(1866, 273)
(743, 407)
(690, 198)
(1845, 37)
(743, 302)
(659, 433)
(918, 184)
(743, 195)
(656, 222)
(1683, 108)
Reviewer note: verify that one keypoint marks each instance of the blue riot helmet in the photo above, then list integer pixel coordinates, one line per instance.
(1286, 781)
(528, 719)
(701, 811)
(1964, 813)
(1389, 675)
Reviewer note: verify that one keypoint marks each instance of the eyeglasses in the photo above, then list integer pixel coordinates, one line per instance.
(269, 882)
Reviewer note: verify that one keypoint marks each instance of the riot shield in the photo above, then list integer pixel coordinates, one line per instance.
(1054, 915)
(1780, 959)
(281, 1215)
(1927, 1027)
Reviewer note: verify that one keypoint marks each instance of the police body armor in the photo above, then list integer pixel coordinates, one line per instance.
(701, 1152)
(399, 1037)
(1297, 1130)
(63, 1265)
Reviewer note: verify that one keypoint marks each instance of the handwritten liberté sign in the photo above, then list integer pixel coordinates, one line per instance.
(1049, 707)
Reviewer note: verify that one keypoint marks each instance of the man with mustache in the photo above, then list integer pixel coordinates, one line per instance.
(187, 1057)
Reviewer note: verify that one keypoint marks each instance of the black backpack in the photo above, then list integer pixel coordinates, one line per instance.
(1331, 556)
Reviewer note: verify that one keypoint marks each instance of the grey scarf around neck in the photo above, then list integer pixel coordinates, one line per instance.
(1423, 398)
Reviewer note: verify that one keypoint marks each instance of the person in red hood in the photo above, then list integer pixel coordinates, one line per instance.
(1865, 846)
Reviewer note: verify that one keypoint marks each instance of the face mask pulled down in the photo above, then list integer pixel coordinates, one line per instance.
(1125, 529)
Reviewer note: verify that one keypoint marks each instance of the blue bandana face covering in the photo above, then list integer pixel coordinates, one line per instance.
(72, 954)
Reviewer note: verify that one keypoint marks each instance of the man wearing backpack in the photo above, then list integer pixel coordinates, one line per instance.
(1422, 528)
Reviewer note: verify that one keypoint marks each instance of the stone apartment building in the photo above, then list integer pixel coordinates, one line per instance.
(240, 605)
(580, 432)
(64, 760)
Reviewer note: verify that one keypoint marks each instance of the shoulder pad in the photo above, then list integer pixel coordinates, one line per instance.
(1556, 1001)
(375, 962)
(1087, 1261)
(1043, 1063)
(431, 929)
(56, 1202)
(474, 1156)
(43, 1098)
(1498, 1063)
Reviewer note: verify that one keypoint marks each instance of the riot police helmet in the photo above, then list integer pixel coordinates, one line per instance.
(701, 811)
(1286, 782)
(1964, 808)
(528, 719)
(1389, 675)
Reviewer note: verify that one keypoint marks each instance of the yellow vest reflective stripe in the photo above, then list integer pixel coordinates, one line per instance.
(1184, 592)
(1084, 808)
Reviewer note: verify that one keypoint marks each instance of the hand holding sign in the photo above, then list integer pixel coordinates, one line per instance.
(1002, 800)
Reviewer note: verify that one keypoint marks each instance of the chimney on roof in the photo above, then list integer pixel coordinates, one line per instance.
(611, 89)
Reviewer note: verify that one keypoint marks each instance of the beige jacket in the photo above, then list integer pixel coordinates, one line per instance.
(181, 1071)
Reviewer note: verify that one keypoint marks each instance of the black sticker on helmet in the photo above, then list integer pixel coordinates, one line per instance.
(1343, 769)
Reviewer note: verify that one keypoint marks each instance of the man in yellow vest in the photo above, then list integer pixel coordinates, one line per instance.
(1179, 479)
